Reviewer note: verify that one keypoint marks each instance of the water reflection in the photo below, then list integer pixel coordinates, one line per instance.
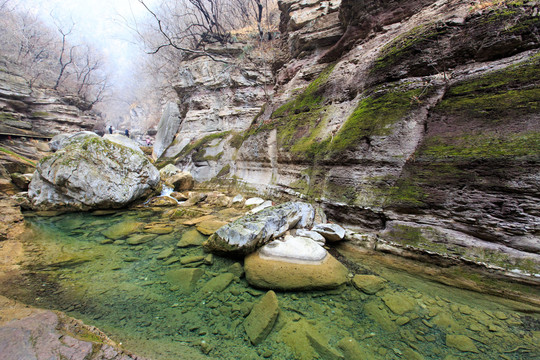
(143, 278)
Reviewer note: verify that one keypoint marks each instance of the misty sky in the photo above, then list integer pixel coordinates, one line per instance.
(98, 22)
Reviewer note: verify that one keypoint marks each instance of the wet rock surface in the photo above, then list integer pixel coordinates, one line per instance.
(294, 263)
(76, 271)
(30, 333)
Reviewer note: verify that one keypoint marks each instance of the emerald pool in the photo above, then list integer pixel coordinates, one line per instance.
(143, 278)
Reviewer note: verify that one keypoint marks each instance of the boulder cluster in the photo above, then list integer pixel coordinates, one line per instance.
(283, 248)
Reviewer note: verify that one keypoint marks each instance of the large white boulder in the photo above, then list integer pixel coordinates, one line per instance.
(92, 173)
(248, 233)
(62, 140)
(294, 263)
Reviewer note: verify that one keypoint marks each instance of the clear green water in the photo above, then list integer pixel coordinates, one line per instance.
(125, 290)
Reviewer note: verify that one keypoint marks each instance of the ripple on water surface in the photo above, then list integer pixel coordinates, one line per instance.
(145, 280)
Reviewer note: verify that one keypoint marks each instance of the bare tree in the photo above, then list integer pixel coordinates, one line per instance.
(66, 54)
(189, 26)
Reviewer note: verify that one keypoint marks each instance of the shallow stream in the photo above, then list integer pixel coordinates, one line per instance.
(118, 273)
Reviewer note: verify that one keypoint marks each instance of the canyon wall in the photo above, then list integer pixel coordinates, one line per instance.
(415, 121)
(40, 112)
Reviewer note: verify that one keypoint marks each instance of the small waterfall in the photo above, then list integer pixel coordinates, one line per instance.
(166, 191)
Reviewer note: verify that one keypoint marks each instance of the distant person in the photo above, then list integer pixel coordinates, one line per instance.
(110, 129)
(148, 141)
(127, 132)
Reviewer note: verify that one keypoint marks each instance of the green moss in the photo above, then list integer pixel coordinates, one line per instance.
(524, 26)
(40, 114)
(213, 158)
(404, 45)
(20, 157)
(4, 116)
(300, 120)
(339, 192)
(423, 238)
(483, 145)
(197, 147)
(237, 140)
(374, 116)
(311, 184)
(309, 99)
(404, 192)
(492, 97)
(224, 171)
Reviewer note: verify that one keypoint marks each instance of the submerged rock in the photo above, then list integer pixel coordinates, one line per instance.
(191, 237)
(122, 229)
(398, 303)
(322, 347)
(92, 173)
(351, 349)
(185, 279)
(246, 234)
(217, 284)
(262, 317)
(461, 342)
(208, 227)
(294, 264)
(369, 284)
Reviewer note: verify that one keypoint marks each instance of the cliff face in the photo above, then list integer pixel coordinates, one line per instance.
(415, 120)
(37, 112)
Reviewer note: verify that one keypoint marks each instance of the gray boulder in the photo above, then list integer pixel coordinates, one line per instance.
(55, 142)
(123, 140)
(62, 140)
(331, 232)
(176, 179)
(168, 170)
(167, 129)
(92, 173)
(248, 233)
(313, 235)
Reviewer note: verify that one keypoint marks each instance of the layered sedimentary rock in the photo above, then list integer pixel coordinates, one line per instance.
(415, 120)
(38, 112)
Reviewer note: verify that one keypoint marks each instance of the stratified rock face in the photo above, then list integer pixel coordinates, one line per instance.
(93, 173)
(38, 111)
(246, 234)
(414, 119)
(167, 129)
(217, 99)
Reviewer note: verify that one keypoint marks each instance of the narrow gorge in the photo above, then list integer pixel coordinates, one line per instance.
(359, 181)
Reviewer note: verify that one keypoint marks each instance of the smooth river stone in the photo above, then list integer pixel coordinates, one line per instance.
(294, 249)
(290, 266)
(262, 317)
